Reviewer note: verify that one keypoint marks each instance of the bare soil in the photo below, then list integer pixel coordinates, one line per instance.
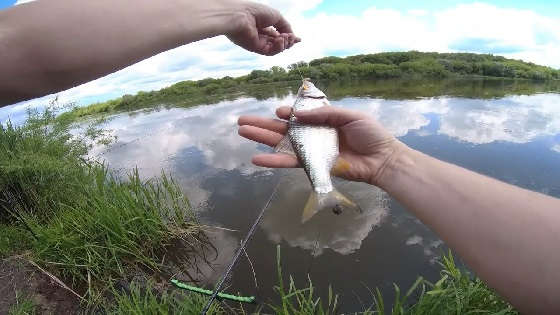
(19, 276)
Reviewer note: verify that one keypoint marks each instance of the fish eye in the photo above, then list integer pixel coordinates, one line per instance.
(337, 209)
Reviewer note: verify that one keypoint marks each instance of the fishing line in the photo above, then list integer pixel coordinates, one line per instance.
(239, 251)
(297, 68)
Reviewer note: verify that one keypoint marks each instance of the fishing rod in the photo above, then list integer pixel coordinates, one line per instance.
(238, 253)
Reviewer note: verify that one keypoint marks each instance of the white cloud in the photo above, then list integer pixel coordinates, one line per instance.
(18, 2)
(476, 27)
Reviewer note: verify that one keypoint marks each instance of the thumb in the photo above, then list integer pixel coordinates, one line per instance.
(328, 115)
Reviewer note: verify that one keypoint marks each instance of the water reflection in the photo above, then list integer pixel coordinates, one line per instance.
(205, 135)
(342, 233)
(517, 119)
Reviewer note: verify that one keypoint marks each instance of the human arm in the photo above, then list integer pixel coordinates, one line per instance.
(48, 46)
(509, 236)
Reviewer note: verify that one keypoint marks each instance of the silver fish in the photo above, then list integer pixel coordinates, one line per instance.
(316, 147)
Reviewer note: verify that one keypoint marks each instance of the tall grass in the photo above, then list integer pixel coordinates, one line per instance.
(87, 226)
(113, 228)
(40, 166)
(300, 301)
(145, 300)
(456, 292)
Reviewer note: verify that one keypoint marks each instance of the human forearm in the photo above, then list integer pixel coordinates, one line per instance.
(509, 236)
(50, 45)
(55, 44)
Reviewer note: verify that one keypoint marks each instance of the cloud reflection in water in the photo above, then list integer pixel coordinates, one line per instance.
(197, 143)
(342, 233)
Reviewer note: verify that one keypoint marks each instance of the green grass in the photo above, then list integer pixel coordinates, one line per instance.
(77, 219)
(23, 306)
(145, 300)
(300, 301)
(14, 240)
(113, 228)
(456, 292)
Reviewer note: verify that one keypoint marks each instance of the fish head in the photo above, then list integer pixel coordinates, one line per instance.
(308, 89)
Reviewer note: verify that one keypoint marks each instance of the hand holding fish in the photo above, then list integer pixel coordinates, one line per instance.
(364, 145)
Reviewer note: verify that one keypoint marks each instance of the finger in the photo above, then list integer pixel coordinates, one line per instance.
(284, 112)
(278, 45)
(275, 125)
(260, 135)
(294, 39)
(266, 16)
(282, 25)
(270, 31)
(328, 115)
(268, 45)
(287, 40)
(276, 160)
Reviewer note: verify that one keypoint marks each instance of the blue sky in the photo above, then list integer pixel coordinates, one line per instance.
(6, 3)
(527, 30)
(355, 7)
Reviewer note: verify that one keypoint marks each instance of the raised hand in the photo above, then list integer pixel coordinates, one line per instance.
(365, 146)
(261, 29)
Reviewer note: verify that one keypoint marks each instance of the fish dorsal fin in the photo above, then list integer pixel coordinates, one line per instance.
(285, 146)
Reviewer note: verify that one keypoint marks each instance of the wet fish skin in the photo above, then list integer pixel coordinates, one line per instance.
(316, 147)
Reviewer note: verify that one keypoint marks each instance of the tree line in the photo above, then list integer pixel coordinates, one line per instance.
(411, 64)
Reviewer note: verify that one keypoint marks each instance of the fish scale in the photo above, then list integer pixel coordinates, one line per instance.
(316, 147)
(318, 150)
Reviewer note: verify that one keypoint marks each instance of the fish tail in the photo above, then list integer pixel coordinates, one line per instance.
(333, 200)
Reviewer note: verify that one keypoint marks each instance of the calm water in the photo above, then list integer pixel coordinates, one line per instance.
(515, 138)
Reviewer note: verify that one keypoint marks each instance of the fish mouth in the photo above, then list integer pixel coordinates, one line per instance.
(315, 97)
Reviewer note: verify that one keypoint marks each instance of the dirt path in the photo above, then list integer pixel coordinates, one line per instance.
(19, 280)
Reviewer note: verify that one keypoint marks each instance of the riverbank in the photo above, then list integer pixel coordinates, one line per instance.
(72, 218)
(408, 68)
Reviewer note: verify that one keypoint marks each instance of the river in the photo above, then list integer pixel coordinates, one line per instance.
(509, 130)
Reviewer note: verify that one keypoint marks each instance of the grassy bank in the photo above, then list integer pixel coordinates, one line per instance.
(75, 219)
(391, 65)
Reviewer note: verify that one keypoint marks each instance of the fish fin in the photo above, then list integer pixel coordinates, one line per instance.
(333, 200)
(340, 167)
(311, 207)
(285, 146)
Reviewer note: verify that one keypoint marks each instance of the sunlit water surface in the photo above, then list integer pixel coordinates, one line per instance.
(513, 138)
